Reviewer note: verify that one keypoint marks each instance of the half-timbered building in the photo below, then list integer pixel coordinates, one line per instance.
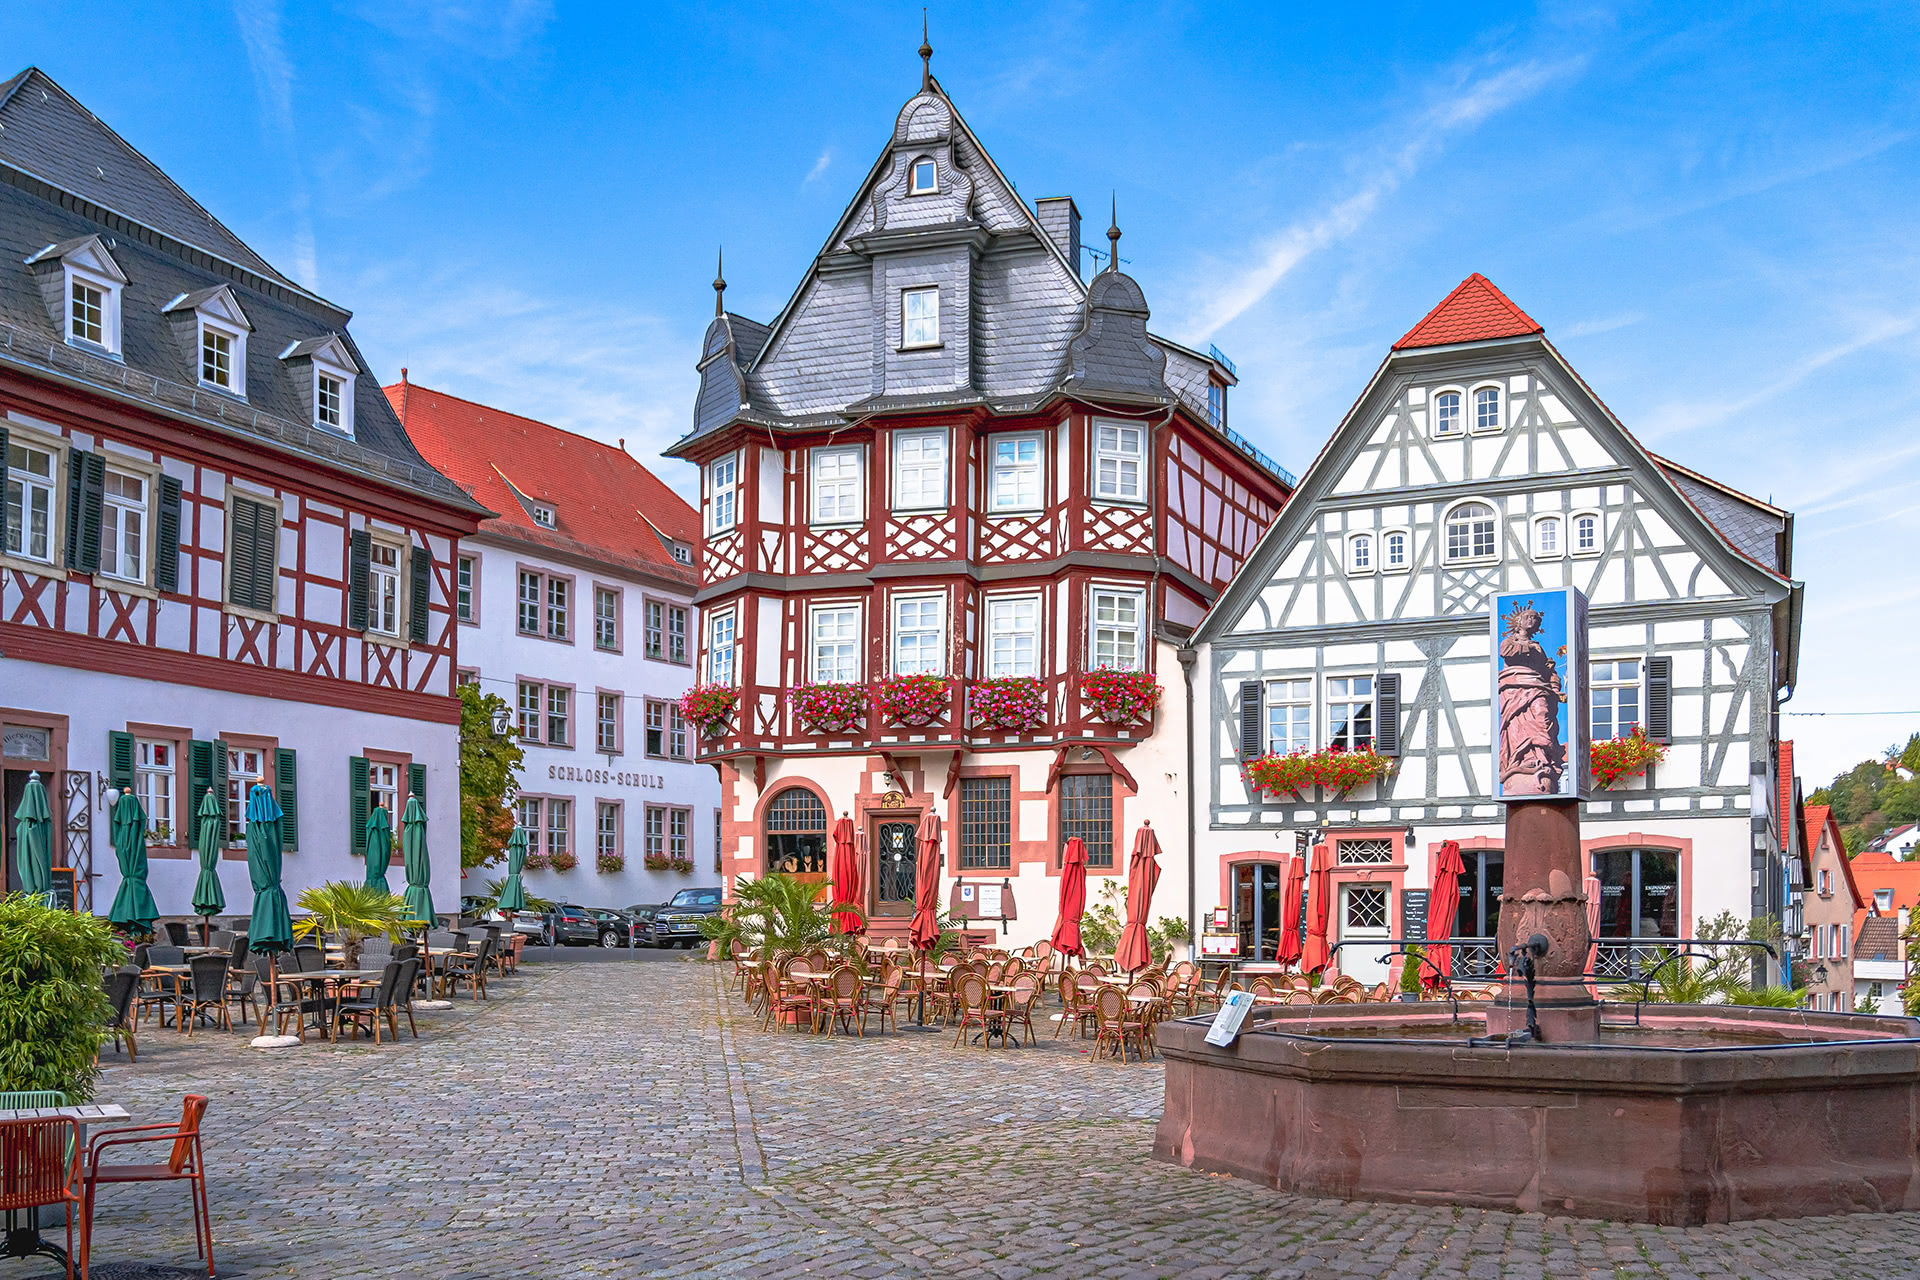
(1476, 462)
(224, 563)
(951, 455)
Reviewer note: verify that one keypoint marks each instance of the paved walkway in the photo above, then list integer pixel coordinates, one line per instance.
(626, 1118)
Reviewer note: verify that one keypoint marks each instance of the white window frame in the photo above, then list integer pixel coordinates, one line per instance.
(1599, 534)
(839, 498)
(1121, 457)
(343, 423)
(545, 516)
(723, 496)
(611, 618)
(1540, 526)
(471, 613)
(31, 483)
(1610, 682)
(388, 606)
(1435, 427)
(1406, 543)
(997, 607)
(723, 647)
(116, 513)
(1288, 722)
(1362, 553)
(560, 716)
(922, 331)
(843, 665)
(236, 336)
(240, 782)
(913, 176)
(910, 491)
(1116, 633)
(559, 825)
(1001, 502)
(1474, 425)
(1472, 557)
(926, 659)
(1352, 698)
(155, 783)
(109, 291)
(606, 722)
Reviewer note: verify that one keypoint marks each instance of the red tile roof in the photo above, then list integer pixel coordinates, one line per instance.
(1820, 820)
(1884, 871)
(607, 506)
(1474, 312)
(1783, 779)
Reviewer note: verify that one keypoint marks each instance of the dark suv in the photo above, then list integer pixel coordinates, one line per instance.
(678, 921)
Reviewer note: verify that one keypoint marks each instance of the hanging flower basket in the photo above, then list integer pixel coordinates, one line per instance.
(1627, 757)
(608, 863)
(1008, 703)
(709, 707)
(828, 708)
(563, 861)
(913, 701)
(1335, 769)
(658, 862)
(1120, 697)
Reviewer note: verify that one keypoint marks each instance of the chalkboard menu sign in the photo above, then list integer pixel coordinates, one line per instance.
(1413, 914)
(63, 888)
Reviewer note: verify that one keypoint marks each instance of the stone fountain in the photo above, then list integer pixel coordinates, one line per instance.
(1545, 1100)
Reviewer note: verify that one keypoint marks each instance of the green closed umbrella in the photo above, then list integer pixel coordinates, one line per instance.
(513, 896)
(271, 929)
(210, 824)
(413, 853)
(133, 907)
(379, 848)
(33, 840)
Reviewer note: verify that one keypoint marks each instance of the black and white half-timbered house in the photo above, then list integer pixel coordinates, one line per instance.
(1477, 461)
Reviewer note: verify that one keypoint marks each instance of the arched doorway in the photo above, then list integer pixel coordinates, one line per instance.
(796, 834)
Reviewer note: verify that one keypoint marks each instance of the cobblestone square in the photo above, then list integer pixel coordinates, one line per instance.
(608, 1115)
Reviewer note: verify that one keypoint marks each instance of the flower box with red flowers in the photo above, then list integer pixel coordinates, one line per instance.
(827, 707)
(682, 865)
(563, 861)
(537, 861)
(657, 862)
(1627, 757)
(1334, 769)
(1120, 697)
(608, 863)
(708, 707)
(913, 701)
(1010, 703)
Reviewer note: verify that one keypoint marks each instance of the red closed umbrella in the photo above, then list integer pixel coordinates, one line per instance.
(1143, 873)
(1592, 889)
(925, 930)
(1073, 899)
(1319, 901)
(1443, 904)
(1296, 885)
(843, 869)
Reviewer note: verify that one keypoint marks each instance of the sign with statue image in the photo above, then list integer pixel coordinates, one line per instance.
(1541, 736)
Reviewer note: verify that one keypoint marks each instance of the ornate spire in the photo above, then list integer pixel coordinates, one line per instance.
(1113, 236)
(720, 282)
(926, 57)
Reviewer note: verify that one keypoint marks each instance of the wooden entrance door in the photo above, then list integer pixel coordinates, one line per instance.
(1363, 914)
(895, 865)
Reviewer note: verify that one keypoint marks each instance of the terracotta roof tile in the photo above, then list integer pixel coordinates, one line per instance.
(1873, 871)
(607, 505)
(1475, 311)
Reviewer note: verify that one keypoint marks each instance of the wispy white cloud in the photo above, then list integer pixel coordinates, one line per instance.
(819, 168)
(1475, 101)
(1829, 160)
(1601, 324)
(273, 82)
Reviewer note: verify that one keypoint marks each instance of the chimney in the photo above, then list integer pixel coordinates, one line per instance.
(1061, 219)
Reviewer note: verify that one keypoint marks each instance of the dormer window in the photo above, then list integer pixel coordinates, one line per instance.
(682, 553)
(324, 368)
(544, 517)
(926, 178)
(1882, 900)
(329, 398)
(218, 336)
(216, 357)
(86, 305)
(86, 312)
(920, 318)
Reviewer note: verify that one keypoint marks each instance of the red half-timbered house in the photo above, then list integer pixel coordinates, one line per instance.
(950, 480)
(224, 563)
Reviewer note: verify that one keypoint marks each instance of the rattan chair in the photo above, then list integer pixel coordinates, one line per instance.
(372, 1004)
(1114, 1030)
(885, 998)
(970, 995)
(470, 968)
(204, 992)
(123, 985)
(1020, 1002)
(840, 1001)
(1075, 1007)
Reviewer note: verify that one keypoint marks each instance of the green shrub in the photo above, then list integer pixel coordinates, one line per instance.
(1411, 974)
(53, 1005)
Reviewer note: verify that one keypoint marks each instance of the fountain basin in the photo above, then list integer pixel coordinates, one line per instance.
(1700, 1114)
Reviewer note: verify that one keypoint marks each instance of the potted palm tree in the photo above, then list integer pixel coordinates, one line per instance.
(352, 913)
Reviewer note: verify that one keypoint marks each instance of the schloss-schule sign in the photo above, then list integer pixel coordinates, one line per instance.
(605, 777)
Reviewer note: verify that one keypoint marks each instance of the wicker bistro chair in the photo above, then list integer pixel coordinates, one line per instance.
(784, 998)
(307, 958)
(976, 1010)
(1075, 1009)
(286, 1001)
(203, 993)
(176, 931)
(470, 968)
(243, 979)
(371, 1005)
(40, 1165)
(183, 1163)
(1216, 995)
(842, 1001)
(403, 994)
(220, 938)
(123, 985)
(1020, 1002)
(884, 999)
(1261, 987)
(1114, 1028)
(1148, 1006)
(375, 952)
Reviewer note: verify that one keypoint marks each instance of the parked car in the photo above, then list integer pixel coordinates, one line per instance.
(567, 925)
(641, 929)
(531, 923)
(678, 921)
(616, 929)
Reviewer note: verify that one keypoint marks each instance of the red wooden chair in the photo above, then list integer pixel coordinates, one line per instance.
(183, 1164)
(40, 1165)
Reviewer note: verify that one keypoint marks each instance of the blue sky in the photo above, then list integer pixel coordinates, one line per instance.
(1712, 214)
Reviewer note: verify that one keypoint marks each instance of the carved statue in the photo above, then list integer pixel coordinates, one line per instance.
(1532, 757)
(1560, 912)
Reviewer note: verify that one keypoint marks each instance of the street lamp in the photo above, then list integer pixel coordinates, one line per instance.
(502, 721)
(1820, 974)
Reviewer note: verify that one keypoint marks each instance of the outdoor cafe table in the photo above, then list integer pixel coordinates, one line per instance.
(329, 975)
(24, 1241)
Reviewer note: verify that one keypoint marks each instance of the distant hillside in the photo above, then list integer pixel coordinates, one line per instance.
(1875, 795)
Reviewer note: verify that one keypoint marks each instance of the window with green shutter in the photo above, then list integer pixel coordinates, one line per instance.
(286, 786)
(206, 771)
(86, 497)
(417, 781)
(359, 569)
(420, 567)
(166, 538)
(358, 807)
(253, 554)
(120, 760)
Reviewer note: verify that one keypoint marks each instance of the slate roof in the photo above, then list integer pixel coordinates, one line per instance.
(607, 506)
(53, 155)
(1475, 311)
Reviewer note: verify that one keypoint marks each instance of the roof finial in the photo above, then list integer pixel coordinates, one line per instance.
(926, 56)
(1113, 236)
(720, 282)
